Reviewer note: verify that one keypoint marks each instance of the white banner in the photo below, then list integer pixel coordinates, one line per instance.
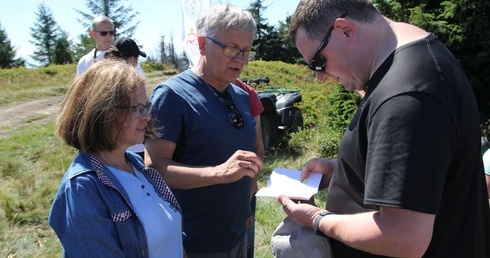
(191, 10)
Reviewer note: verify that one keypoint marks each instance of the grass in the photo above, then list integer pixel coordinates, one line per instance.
(33, 160)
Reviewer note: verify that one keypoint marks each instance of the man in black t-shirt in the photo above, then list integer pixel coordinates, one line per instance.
(408, 180)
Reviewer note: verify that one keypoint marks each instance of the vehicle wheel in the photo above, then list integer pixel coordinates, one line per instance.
(297, 121)
(269, 129)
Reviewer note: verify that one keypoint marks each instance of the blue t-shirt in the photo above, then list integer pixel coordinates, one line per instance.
(190, 114)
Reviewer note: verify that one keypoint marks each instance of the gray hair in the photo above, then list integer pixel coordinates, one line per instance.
(101, 19)
(316, 16)
(223, 17)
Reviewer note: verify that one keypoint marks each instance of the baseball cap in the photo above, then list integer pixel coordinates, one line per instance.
(127, 47)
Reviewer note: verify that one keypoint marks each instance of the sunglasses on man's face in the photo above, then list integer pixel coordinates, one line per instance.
(234, 115)
(105, 32)
(318, 62)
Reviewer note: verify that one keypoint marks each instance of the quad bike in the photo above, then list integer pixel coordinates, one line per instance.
(280, 115)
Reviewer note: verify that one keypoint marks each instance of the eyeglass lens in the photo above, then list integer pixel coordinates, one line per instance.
(234, 115)
(234, 52)
(104, 33)
(141, 109)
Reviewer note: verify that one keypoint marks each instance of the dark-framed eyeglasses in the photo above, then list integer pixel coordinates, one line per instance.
(104, 33)
(140, 110)
(234, 115)
(234, 52)
(319, 62)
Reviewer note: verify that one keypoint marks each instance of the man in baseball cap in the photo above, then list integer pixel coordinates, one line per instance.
(127, 47)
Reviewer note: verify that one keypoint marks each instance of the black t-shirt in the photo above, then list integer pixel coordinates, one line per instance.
(415, 144)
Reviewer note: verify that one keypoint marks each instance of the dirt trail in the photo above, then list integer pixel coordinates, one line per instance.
(43, 110)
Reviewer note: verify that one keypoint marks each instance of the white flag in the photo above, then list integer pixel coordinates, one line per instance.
(191, 10)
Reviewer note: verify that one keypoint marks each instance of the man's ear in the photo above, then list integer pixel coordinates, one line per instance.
(347, 28)
(201, 40)
(92, 34)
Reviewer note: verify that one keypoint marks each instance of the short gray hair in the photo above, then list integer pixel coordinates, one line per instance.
(224, 17)
(101, 19)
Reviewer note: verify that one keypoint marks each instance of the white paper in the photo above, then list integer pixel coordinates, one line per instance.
(288, 182)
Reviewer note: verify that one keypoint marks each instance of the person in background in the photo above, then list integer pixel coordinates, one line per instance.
(109, 204)
(102, 32)
(407, 180)
(126, 49)
(485, 145)
(206, 149)
(256, 108)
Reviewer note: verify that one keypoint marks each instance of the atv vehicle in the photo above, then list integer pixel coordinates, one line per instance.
(280, 116)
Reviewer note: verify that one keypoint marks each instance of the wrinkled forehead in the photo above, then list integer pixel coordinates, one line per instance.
(105, 26)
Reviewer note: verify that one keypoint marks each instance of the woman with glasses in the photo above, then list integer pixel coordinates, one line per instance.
(126, 49)
(206, 149)
(109, 204)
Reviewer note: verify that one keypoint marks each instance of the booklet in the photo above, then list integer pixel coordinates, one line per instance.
(288, 182)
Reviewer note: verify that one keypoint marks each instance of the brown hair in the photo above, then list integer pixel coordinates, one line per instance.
(91, 112)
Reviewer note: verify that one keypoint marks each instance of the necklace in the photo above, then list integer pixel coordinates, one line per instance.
(119, 167)
(211, 89)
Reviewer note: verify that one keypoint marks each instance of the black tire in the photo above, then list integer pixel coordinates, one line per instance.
(269, 129)
(297, 121)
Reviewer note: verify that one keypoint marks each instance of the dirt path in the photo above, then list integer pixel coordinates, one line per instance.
(43, 110)
(34, 111)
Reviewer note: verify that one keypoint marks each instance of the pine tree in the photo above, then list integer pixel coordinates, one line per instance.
(122, 15)
(44, 34)
(62, 53)
(7, 52)
(271, 43)
(85, 45)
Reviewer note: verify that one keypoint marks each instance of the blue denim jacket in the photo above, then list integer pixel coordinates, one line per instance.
(92, 214)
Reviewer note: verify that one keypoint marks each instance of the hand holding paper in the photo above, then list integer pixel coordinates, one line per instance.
(288, 182)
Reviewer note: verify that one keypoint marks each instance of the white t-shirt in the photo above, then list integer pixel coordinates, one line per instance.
(87, 60)
(486, 161)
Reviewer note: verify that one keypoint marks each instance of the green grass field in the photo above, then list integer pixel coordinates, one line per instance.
(33, 160)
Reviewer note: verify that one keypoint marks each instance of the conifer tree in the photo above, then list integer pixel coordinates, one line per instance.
(44, 34)
(121, 14)
(7, 52)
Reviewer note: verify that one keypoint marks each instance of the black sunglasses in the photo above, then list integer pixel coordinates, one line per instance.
(234, 115)
(104, 33)
(319, 62)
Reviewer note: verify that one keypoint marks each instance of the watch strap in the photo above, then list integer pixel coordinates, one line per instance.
(316, 225)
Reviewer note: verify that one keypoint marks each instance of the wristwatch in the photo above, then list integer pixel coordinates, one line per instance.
(316, 225)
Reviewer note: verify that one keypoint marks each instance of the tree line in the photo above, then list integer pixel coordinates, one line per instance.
(463, 25)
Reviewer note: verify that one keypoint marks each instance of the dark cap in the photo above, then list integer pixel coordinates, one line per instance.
(127, 47)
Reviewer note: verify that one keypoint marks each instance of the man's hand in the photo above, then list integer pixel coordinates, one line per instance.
(240, 164)
(302, 213)
(319, 165)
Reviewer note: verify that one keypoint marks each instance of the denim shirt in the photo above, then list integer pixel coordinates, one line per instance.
(92, 215)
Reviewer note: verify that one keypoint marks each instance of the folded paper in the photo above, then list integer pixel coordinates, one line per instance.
(288, 182)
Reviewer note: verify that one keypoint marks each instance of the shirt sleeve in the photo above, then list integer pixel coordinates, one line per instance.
(256, 106)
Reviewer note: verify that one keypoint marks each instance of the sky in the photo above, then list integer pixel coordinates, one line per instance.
(157, 18)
